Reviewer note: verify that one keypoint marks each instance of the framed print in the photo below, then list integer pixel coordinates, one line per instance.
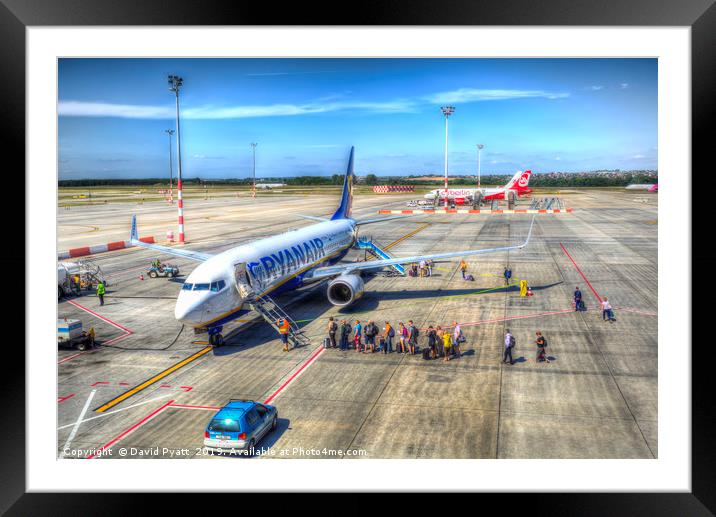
(421, 246)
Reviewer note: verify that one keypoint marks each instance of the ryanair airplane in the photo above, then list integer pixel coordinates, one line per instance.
(223, 287)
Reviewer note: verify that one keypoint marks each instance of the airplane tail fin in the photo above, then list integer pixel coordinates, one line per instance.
(519, 181)
(344, 209)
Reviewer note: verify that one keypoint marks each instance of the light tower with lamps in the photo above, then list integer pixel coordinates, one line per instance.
(170, 132)
(447, 111)
(175, 83)
(479, 151)
(253, 191)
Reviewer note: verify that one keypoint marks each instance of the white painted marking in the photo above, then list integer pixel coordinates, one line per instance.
(117, 410)
(77, 424)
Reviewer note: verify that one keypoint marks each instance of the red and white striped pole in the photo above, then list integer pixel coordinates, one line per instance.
(175, 83)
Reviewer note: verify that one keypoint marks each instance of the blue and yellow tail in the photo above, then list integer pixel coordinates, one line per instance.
(344, 209)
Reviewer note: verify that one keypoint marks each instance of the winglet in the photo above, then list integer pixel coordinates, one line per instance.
(133, 235)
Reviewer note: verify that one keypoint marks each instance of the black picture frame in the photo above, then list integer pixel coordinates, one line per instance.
(700, 15)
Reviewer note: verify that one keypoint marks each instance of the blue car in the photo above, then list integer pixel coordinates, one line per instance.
(239, 426)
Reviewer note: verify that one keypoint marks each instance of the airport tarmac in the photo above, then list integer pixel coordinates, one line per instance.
(157, 385)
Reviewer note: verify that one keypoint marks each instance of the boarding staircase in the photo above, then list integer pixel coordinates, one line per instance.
(272, 312)
(367, 244)
(547, 203)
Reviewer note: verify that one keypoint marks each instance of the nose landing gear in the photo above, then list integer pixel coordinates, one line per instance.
(215, 337)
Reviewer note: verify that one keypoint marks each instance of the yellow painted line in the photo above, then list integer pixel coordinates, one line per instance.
(151, 381)
(406, 236)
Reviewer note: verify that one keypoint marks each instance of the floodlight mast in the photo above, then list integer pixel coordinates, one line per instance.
(447, 111)
(175, 84)
(170, 132)
(253, 191)
(479, 151)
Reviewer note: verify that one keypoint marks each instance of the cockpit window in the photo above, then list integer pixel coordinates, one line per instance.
(187, 286)
(201, 287)
(218, 286)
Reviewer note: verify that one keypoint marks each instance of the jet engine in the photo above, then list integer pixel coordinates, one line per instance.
(345, 290)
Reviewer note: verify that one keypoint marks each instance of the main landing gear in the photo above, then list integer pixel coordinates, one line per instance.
(215, 337)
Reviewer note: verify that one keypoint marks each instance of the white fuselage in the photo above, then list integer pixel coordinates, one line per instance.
(462, 192)
(210, 295)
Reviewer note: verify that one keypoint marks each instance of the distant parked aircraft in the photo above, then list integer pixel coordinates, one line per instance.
(517, 184)
(649, 187)
(268, 186)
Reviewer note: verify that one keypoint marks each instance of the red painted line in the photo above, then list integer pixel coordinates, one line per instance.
(62, 399)
(406, 211)
(428, 211)
(290, 379)
(124, 384)
(383, 211)
(130, 429)
(541, 211)
(599, 298)
(189, 406)
(473, 211)
(70, 357)
(569, 210)
(99, 382)
(165, 386)
(106, 320)
(187, 388)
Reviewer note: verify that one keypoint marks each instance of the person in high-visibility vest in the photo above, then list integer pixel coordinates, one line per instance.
(283, 329)
(100, 292)
(463, 268)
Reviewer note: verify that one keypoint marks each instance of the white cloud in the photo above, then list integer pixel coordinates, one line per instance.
(623, 86)
(638, 156)
(476, 94)
(103, 109)
(596, 87)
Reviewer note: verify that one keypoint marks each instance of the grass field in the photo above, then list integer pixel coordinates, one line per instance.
(80, 196)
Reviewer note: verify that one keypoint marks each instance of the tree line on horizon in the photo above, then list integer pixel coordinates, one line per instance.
(615, 178)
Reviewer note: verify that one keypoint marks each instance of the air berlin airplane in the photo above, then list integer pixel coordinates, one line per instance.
(518, 185)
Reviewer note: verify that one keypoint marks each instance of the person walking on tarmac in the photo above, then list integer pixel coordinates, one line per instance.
(463, 268)
(100, 292)
(283, 328)
(577, 299)
(508, 275)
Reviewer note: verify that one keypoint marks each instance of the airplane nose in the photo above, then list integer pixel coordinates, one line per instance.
(188, 313)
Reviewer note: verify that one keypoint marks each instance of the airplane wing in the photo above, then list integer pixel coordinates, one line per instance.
(381, 219)
(328, 271)
(192, 255)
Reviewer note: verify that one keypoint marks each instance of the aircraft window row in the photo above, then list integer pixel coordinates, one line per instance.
(217, 286)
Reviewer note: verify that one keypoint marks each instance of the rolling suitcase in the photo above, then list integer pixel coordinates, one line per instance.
(426, 353)
(327, 343)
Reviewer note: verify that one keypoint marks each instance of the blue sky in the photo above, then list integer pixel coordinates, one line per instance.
(540, 114)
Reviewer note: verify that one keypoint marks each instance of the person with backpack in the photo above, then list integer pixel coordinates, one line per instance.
(541, 348)
(345, 333)
(413, 333)
(370, 332)
(577, 299)
(357, 333)
(403, 337)
(447, 344)
(432, 341)
(508, 275)
(510, 343)
(388, 335)
(457, 338)
(332, 329)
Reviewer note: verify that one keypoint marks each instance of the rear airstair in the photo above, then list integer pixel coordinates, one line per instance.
(366, 243)
(272, 312)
